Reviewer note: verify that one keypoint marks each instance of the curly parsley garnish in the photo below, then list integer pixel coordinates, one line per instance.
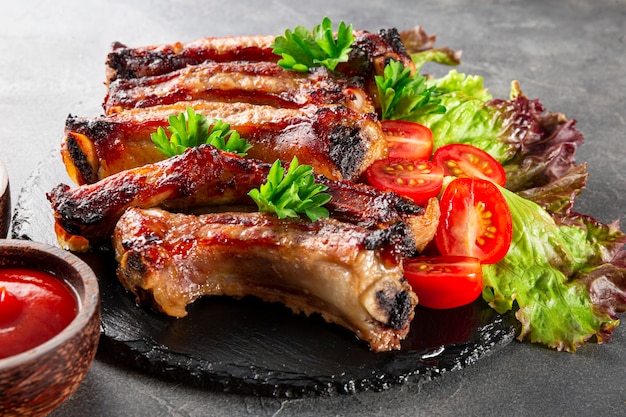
(191, 129)
(403, 96)
(303, 49)
(288, 194)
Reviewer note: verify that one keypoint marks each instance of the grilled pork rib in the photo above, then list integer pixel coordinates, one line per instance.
(326, 267)
(370, 52)
(336, 141)
(128, 63)
(256, 83)
(203, 176)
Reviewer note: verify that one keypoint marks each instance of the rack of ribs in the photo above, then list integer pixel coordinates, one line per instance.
(327, 118)
(185, 227)
(342, 272)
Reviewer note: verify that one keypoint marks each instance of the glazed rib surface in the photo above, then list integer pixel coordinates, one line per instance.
(369, 53)
(204, 176)
(337, 270)
(326, 118)
(336, 141)
(251, 82)
(126, 63)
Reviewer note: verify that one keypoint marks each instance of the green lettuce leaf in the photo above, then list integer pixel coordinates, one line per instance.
(565, 273)
(536, 148)
(468, 117)
(537, 278)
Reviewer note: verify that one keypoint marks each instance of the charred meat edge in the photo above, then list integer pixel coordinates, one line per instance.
(337, 142)
(370, 52)
(203, 176)
(337, 270)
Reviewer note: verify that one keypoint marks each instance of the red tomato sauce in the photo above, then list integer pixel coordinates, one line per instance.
(34, 307)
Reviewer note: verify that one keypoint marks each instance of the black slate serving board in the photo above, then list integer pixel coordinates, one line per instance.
(251, 347)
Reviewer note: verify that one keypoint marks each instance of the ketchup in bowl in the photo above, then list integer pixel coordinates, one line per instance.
(34, 307)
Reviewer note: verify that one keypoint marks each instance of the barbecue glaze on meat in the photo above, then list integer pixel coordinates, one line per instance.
(328, 119)
(336, 141)
(370, 52)
(184, 227)
(340, 271)
(256, 83)
(203, 176)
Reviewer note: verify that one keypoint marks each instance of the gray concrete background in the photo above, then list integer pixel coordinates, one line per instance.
(571, 54)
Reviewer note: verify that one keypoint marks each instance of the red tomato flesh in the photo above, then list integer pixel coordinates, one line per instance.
(408, 139)
(462, 160)
(475, 221)
(417, 180)
(34, 307)
(444, 281)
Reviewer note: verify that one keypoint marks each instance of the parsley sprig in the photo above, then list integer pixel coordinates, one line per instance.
(192, 129)
(290, 193)
(303, 49)
(403, 96)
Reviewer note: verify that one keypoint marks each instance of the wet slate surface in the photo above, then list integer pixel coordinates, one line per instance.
(255, 348)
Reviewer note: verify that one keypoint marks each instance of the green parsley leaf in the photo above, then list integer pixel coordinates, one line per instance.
(405, 97)
(290, 193)
(192, 129)
(303, 49)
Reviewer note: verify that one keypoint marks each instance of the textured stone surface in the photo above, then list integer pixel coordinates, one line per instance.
(571, 54)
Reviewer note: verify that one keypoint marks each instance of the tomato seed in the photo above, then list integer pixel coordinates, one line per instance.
(473, 159)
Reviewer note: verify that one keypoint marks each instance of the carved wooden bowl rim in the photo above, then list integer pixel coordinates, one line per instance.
(26, 253)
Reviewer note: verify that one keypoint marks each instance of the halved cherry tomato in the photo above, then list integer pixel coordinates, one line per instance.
(462, 160)
(475, 221)
(408, 139)
(417, 180)
(444, 281)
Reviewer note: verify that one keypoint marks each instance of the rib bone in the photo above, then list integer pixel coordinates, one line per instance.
(327, 267)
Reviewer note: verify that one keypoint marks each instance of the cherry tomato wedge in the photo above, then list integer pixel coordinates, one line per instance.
(417, 180)
(444, 281)
(408, 139)
(462, 160)
(475, 221)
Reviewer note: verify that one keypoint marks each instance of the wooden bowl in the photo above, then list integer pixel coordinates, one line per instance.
(36, 381)
(5, 201)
